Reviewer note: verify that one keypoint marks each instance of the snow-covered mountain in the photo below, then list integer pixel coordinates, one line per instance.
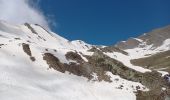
(37, 64)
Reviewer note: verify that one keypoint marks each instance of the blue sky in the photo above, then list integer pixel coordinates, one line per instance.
(105, 21)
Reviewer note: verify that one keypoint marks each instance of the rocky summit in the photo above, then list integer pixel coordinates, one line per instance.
(37, 64)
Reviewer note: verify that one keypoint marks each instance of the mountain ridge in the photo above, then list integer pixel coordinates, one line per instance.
(74, 66)
(155, 37)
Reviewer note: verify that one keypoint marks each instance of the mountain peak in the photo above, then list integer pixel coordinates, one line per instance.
(155, 38)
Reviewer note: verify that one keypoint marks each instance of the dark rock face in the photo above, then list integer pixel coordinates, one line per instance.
(96, 64)
(27, 50)
(104, 63)
(156, 94)
(74, 56)
(73, 68)
(151, 95)
(53, 62)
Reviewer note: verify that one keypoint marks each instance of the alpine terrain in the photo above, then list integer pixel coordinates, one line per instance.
(37, 64)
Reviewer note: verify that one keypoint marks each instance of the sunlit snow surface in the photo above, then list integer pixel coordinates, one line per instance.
(23, 79)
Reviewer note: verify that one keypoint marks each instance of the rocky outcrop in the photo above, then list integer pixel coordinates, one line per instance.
(27, 50)
(151, 95)
(73, 68)
(156, 61)
(53, 62)
(74, 56)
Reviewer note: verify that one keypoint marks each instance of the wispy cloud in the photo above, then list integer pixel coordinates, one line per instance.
(21, 11)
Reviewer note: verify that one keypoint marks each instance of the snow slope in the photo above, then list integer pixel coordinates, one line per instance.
(141, 51)
(23, 79)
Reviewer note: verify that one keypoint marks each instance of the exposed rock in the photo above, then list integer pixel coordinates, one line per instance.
(80, 70)
(53, 62)
(83, 69)
(154, 82)
(157, 61)
(74, 56)
(156, 94)
(27, 50)
(32, 58)
(129, 44)
(29, 27)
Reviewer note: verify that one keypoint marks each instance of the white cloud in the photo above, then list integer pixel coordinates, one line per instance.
(21, 11)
